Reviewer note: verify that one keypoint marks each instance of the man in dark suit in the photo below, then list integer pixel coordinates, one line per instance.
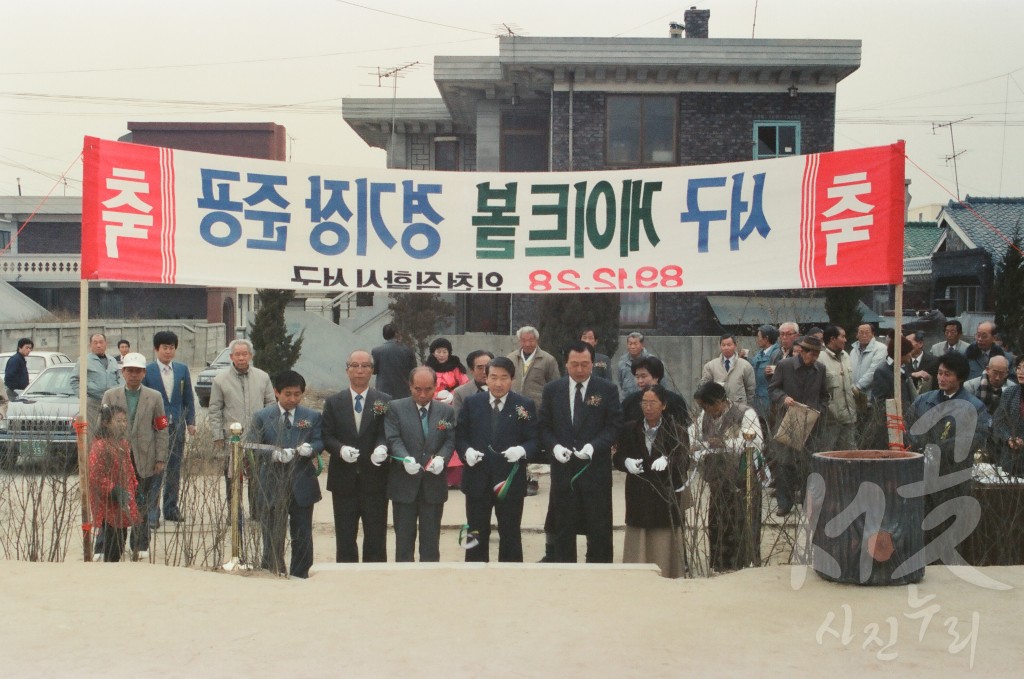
(580, 419)
(922, 362)
(357, 476)
(172, 379)
(496, 437)
(287, 438)
(392, 363)
(477, 362)
(420, 434)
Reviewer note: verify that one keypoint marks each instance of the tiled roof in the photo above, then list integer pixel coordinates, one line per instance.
(919, 239)
(990, 223)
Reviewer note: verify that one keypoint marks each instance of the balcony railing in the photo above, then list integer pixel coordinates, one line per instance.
(40, 268)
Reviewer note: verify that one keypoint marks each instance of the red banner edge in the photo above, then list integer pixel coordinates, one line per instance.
(91, 150)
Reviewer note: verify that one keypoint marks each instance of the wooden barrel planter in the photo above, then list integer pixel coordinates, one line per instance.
(862, 529)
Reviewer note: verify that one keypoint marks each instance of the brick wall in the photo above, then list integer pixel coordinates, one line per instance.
(714, 127)
(419, 151)
(51, 238)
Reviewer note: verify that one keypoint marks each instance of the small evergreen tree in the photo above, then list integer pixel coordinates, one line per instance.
(564, 316)
(1007, 287)
(418, 316)
(275, 349)
(843, 308)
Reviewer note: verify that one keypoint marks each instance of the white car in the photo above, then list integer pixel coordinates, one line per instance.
(37, 361)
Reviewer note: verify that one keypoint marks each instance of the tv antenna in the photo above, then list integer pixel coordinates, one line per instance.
(394, 73)
(955, 154)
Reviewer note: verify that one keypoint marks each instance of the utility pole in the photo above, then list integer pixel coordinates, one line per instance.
(955, 153)
(394, 73)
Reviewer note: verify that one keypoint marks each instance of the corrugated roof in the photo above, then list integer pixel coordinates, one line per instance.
(733, 310)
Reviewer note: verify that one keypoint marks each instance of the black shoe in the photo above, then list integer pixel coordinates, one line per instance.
(547, 558)
(783, 511)
(532, 487)
(176, 518)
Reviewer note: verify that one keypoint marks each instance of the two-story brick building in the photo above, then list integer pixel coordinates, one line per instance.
(551, 104)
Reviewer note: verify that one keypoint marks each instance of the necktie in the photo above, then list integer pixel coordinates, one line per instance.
(359, 403)
(917, 362)
(495, 414)
(577, 404)
(287, 419)
(423, 419)
(726, 365)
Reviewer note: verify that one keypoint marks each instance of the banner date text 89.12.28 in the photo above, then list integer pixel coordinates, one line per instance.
(644, 278)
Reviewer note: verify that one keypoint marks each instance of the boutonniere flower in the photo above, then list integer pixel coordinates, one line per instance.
(594, 401)
(303, 424)
(522, 413)
(380, 408)
(443, 425)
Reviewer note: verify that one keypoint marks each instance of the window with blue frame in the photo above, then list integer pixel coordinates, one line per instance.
(776, 138)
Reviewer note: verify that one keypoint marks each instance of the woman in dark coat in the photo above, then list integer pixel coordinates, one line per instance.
(655, 453)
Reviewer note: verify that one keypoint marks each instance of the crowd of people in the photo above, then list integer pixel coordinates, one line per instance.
(493, 425)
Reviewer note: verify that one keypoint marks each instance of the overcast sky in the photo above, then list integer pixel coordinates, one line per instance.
(70, 68)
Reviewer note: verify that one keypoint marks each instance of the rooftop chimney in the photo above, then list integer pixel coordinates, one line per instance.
(696, 22)
(675, 29)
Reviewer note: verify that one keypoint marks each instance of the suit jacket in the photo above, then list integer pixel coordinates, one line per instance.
(805, 384)
(236, 398)
(149, 444)
(739, 382)
(979, 361)
(517, 426)
(392, 363)
(929, 363)
(599, 425)
(939, 348)
(339, 429)
(299, 475)
(461, 393)
(179, 405)
(531, 383)
(98, 379)
(1007, 423)
(405, 438)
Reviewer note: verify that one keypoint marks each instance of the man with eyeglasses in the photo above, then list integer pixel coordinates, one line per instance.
(983, 349)
(1008, 425)
(988, 387)
(477, 362)
(353, 432)
(953, 331)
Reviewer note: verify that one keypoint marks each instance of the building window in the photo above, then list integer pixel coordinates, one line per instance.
(364, 299)
(5, 240)
(524, 141)
(641, 130)
(966, 297)
(775, 139)
(636, 309)
(446, 154)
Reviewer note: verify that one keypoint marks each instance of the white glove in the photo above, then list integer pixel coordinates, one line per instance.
(660, 465)
(305, 450)
(514, 454)
(473, 456)
(633, 465)
(349, 454)
(283, 455)
(436, 465)
(561, 453)
(444, 396)
(585, 453)
(379, 455)
(412, 468)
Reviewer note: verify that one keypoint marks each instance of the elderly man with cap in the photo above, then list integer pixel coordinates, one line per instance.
(148, 435)
(798, 380)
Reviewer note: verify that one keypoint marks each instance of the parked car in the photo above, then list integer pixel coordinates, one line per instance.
(40, 422)
(37, 362)
(204, 380)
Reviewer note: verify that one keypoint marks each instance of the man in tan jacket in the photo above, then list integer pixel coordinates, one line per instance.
(534, 366)
(732, 372)
(147, 433)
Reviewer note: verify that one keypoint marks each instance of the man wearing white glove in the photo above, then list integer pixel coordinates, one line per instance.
(496, 437)
(633, 465)
(357, 473)
(287, 483)
(580, 414)
(422, 429)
